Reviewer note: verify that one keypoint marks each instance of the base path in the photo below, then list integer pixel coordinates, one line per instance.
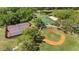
(51, 42)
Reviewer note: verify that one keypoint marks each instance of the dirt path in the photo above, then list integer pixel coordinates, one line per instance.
(61, 39)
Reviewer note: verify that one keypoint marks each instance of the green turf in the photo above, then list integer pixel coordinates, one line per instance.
(51, 36)
(54, 37)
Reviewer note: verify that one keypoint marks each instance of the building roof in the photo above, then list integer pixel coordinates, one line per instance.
(46, 20)
(53, 18)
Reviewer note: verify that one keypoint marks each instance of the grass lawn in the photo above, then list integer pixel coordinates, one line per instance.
(51, 36)
(71, 44)
(6, 44)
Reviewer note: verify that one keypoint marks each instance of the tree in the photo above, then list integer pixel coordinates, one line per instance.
(38, 23)
(15, 15)
(31, 38)
(63, 14)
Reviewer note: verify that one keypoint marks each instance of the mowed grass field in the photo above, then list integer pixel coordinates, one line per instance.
(71, 43)
(51, 36)
(5, 43)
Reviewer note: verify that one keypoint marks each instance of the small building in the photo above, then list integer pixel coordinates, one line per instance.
(53, 18)
(14, 30)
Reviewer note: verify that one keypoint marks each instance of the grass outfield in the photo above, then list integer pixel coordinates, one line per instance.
(71, 44)
(51, 36)
(6, 44)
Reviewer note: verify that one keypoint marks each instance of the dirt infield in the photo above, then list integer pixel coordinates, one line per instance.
(61, 39)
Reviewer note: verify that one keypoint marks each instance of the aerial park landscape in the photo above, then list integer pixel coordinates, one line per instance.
(39, 29)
